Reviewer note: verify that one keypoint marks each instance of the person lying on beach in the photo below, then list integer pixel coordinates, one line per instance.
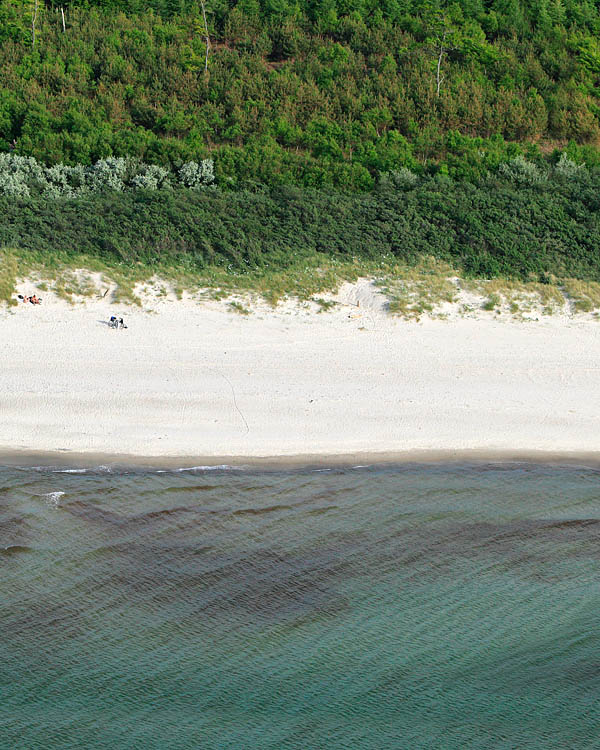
(33, 299)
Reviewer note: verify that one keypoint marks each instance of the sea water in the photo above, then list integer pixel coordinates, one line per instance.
(410, 606)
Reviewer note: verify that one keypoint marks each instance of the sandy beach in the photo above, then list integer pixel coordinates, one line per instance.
(195, 378)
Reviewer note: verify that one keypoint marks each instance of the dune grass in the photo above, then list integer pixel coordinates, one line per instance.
(584, 296)
(426, 288)
(237, 307)
(9, 270)
(69, 284)
(414, 291)
(72, 278)
(518, 298)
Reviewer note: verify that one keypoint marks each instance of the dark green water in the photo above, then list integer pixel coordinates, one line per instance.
(368, 608)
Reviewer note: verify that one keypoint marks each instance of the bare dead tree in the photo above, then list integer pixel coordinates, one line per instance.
(62, 13)
(442, 40)
(438, 72)
(206, 35)
(33, 22)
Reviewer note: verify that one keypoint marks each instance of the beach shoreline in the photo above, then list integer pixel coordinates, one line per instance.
(195, 382)
(67, 460)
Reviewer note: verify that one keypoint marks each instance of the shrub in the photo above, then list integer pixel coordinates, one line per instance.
(23, 176)
(567, 168)
(522, 171)
(492, 228)
(150, 177)
(197, 176)
(106, 174)
(399, 179)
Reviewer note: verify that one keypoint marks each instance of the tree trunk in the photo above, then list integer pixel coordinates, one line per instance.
(438, 77)
(206, 36)
(33, 21)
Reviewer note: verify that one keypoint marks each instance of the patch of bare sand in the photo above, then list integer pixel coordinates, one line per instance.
(195, 377)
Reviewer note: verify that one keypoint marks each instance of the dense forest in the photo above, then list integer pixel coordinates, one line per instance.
(316, 93)
(267, 133)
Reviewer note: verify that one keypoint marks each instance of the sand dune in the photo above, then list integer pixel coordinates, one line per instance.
(197, 379)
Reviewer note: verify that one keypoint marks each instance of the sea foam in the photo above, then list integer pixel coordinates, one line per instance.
(53, 498)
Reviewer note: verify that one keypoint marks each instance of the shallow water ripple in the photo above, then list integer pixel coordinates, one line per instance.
(367, 608)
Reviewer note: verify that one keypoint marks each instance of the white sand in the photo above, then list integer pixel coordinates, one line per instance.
(196, 379)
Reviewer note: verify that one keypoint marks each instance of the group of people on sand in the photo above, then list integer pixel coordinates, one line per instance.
(35, 300)
(115, 322)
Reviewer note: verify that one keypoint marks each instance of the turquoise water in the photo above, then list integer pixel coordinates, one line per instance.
(367, 608)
